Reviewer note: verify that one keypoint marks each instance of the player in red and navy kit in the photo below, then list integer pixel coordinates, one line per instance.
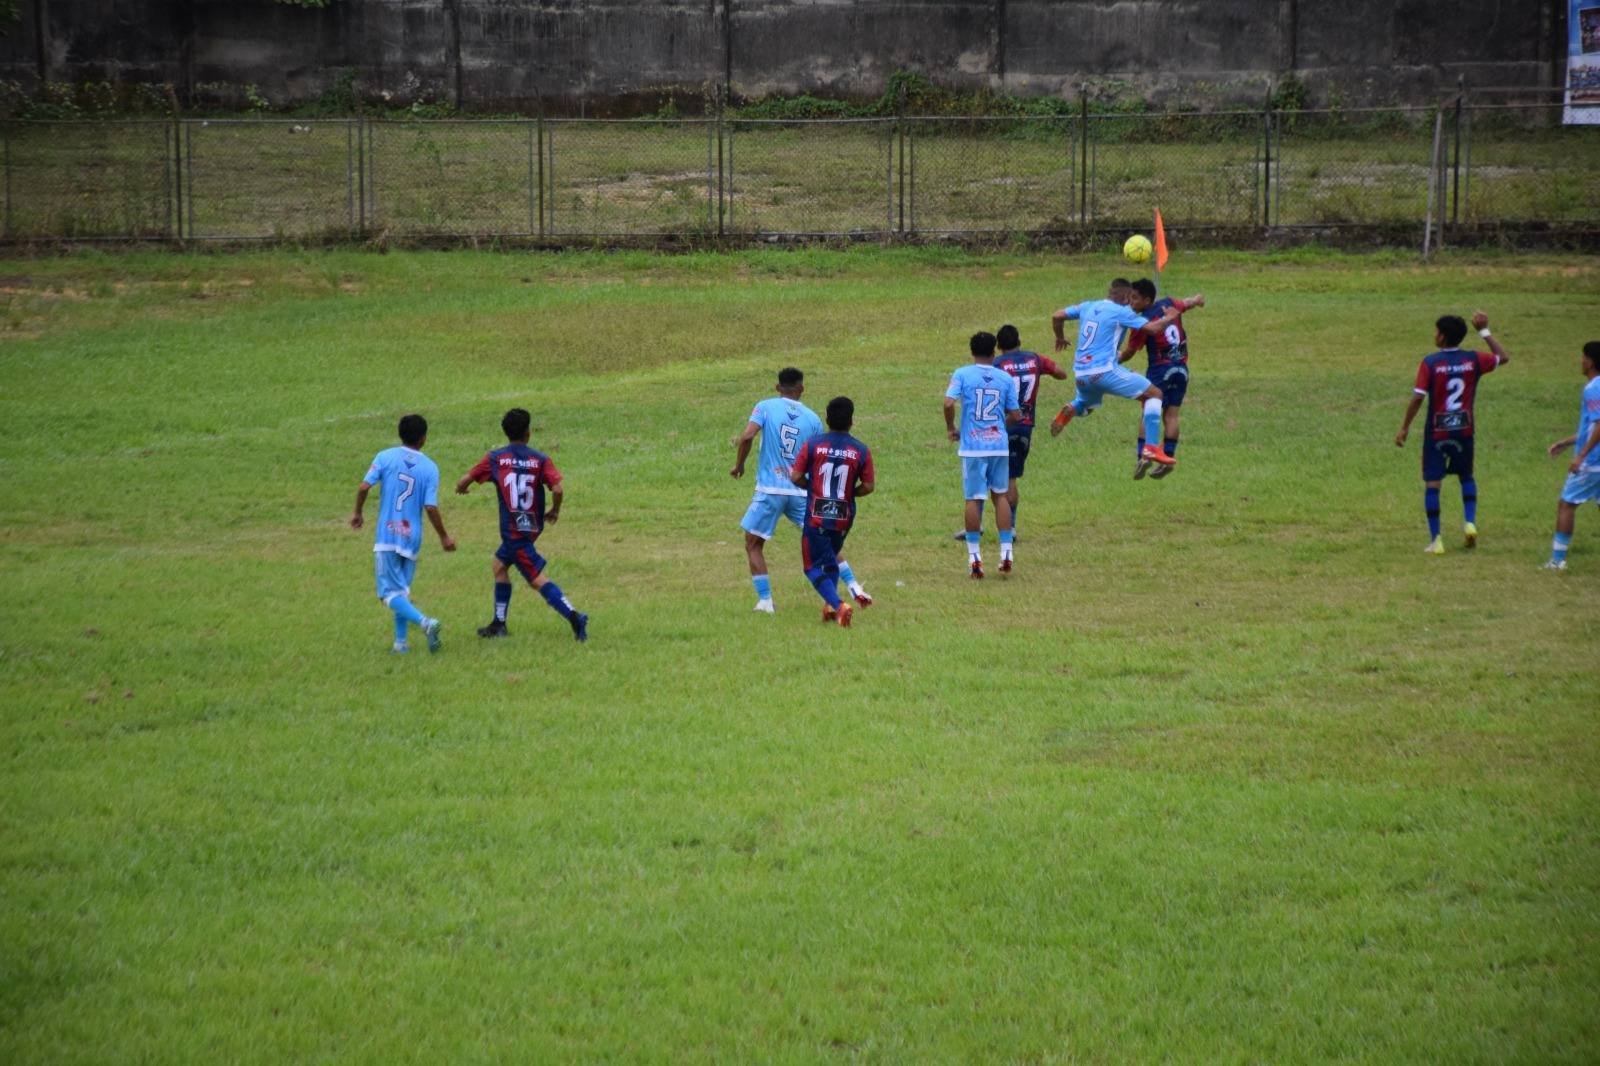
(521, 476)
(1028, 368)
(1448, 381)
(1168, 352)
(835, 469)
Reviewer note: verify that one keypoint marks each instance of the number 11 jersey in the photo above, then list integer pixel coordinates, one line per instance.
(520, 475)
(1449, 379)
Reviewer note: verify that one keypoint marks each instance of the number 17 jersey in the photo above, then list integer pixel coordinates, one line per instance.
(520, 475)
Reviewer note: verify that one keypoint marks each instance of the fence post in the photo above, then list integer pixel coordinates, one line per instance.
(188, 176)
(721, 91)
(550, 176)
(539, 135)
(1455, 166)
(1433, 184)
(7, 135)
(533, 194)
(900, 129)
(1083, 148)
(361, 175)
(1266, 167)
(911, 181)
(713, 142)
(350, 176)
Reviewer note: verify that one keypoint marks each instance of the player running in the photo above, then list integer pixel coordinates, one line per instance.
(409, 484)
(1168, 369)
(1096, 369)
(834, 470)
(1448, 381)
(783, 423)
(988, 398)
(1027, 368)
(520, 476)
(1583, 476)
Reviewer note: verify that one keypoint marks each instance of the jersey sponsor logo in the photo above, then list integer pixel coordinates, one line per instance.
(398, 527)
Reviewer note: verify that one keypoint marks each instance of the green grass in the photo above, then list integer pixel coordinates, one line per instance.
(1227, 770)
(313, 178)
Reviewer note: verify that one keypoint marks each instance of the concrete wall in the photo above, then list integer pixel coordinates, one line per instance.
(614, 55)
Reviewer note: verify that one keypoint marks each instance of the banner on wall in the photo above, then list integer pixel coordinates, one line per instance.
(1583, 62)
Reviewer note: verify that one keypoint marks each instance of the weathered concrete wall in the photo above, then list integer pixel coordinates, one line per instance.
(613, 54)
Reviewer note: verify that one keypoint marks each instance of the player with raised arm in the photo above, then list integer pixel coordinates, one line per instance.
(520, 476)
(409, 485)
(1168, 366)
(783, 423)
(1448, 381)
(1028, 368)
(834, 470)
(1583, 475)
(1096, 369)
(988, 399)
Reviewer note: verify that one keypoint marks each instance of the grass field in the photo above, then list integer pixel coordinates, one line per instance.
(1227, 769)
(286, 179)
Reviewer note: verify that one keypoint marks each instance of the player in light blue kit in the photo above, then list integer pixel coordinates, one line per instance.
(783, 424)
(409, 484)
(1583, 476)
(1097, 369)
(988, 399)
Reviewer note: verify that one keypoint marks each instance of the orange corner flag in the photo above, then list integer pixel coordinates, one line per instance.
(1161, 243)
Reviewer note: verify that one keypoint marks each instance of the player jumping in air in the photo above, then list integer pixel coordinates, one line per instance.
(1448, 381)
(1096, 369)
(1583, 476)
(988, 398)
(1168, 369)
(520, 476)
(783, 423)
(834, 470)
(410, 486)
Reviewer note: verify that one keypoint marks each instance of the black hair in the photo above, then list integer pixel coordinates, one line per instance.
(1452, 328)
(841, 413)
(413, 430)
(1592, 351)
(1119, 283)
(1008, 338)
(789, 377)
(983, 345)
(1145, 287)
(516, 423)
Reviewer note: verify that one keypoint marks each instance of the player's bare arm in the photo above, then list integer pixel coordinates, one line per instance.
(446, 541)
(1057, 372)
(1197, 300)
(1135, 342)
(950, 419)
(356, 521)
(1014, 417)
(553, 512)
(742, 448)
(1561, 445)
(1172, 315)
(1411, 413)
(1058, 323)
(865, 487)
(1480, 322)
(464, 484)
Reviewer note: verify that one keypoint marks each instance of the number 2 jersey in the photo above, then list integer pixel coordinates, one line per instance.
(833, 464)
(410, 482)
(1027, 367)
(1449, 379)
(520, 475)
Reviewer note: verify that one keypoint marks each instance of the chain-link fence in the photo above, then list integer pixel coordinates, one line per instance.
(1459, 165)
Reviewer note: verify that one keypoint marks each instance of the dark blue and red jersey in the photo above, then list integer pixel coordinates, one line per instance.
(520, 474)
(1449, 379)
(1027, 367)
(833, 464)
(1170, 347)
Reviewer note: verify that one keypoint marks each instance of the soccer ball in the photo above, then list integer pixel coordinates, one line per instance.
(1136, 249)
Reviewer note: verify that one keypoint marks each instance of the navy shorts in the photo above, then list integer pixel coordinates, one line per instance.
(821, 548)
(1019, 444)
(1441, 458)
(1173, 383)
(521, 555)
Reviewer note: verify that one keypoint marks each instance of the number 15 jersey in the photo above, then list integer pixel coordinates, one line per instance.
(1449, 379)
(520, 475)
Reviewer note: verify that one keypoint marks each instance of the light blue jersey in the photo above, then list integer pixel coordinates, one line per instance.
(410, 482)
(1100, 325)
(1587, 418)
(985, 393)
(785, 425)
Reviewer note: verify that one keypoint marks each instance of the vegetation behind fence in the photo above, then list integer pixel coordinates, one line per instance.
(203, 179)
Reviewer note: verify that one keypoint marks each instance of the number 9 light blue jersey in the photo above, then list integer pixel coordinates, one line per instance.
(985, 393)
(785, 425)
(1100, 325)
(410, 482)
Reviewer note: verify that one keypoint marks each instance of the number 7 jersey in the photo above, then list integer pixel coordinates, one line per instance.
(410, 482)
(1449, 379)
(520, 475)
